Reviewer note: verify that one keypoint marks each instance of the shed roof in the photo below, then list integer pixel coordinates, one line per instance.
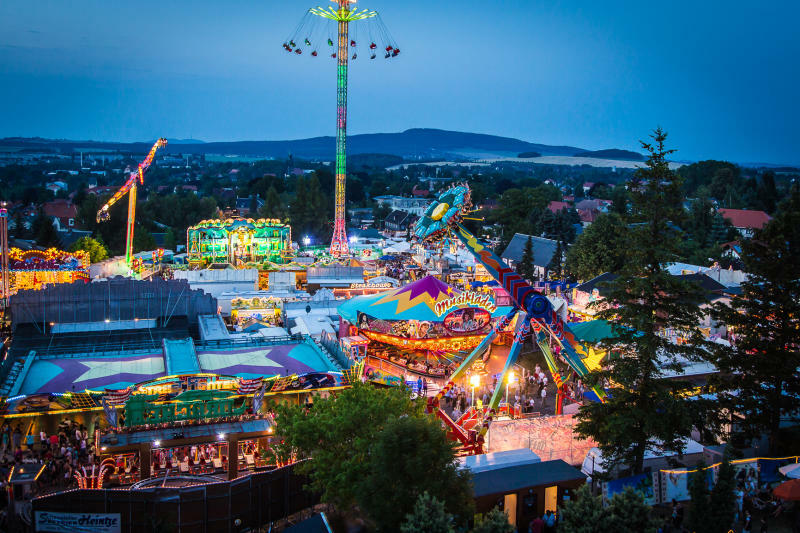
(507, 479)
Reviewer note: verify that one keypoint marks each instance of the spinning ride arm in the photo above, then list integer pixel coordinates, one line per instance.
(102, 214)
(130, 189)
(543, 318)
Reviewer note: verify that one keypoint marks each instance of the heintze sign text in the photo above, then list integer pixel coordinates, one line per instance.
(77, 522)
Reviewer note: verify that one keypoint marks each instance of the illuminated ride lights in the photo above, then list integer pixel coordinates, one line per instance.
(316, 31)
(442, 220)
(129, 188)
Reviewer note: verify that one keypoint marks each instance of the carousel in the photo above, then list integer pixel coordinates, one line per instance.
(424, 328)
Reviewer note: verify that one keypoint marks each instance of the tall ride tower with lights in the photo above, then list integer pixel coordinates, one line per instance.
(346, 49)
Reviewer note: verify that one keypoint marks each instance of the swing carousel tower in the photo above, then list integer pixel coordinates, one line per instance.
(308, 35)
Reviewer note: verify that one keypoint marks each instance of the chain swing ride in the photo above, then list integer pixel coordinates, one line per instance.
(129, 188)
(534, 312)
(326, 31)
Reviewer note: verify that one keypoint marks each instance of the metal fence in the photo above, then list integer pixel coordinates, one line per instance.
(252, 501)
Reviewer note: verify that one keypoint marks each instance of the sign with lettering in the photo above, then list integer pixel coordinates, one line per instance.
(466, 299)
(370, 285)
(78, 522)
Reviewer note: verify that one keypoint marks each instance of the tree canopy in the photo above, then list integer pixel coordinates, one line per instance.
(375, 449)
(600, 248)
(95, 248)
(759, 372)
(644, 409)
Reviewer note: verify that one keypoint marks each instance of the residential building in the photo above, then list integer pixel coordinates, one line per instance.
(543, 252)
(63, 212)
(745, 220)
(415, 206)
(400, 221)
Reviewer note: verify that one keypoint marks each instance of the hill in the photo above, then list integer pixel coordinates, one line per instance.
(612, 153)
(418, 143)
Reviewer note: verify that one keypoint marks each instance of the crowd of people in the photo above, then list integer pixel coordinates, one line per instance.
(62, 452)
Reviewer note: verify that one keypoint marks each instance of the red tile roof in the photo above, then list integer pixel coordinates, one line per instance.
(744, 218)
(556, 206)
(61, 209)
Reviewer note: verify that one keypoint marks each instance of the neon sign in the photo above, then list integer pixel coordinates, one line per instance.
(468, 299)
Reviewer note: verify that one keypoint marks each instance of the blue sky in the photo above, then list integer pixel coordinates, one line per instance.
(721, 77)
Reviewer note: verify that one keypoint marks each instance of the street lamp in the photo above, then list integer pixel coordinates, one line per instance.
(509, 379)
(474, 380)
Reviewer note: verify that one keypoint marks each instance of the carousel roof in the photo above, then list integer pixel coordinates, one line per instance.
(415, 301)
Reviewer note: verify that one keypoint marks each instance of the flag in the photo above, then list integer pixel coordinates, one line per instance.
(258, 399)
(111, 413)
(117, 397)
(249, 386)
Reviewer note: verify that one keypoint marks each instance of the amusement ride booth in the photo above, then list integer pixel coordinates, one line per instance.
(424, 328)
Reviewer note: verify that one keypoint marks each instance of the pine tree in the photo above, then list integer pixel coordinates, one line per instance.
(428, 516)
(758, 376)
(644, 409)
(629, 512)
(723, 498)
(556, 263)
(495, 521)
(45, 232)
(698, 518)
(526, 267)
(583, 514)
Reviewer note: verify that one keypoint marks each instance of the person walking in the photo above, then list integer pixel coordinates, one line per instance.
(544, 397)
(425, 386)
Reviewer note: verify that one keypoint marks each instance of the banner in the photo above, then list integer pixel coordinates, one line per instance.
(641, 483)
(77, 522)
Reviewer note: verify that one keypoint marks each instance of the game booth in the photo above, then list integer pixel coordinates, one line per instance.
(424, 328)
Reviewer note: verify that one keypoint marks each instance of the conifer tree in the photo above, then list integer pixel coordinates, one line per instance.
(428, 515)
(759, 376)
(723, 498)
(526, 265)
(698, 518)
(647, 307)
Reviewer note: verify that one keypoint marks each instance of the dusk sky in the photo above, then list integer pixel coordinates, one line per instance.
(722, 77)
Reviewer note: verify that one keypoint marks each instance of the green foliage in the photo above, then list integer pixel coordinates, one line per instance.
(411, 455)
(519, 210)
(627, 511)
(375, 448)
(170, 240)
(583, 514)
(310, 211)
(143, 240)
(428, 516)
(495, 521)
(699, 518)
(723, 498)
(526, 264)
(96, 250)
(645, 410)
(379, 213)
(45, 232)
(758, 376)
(600, 248)
(721, 179)
(273, 206)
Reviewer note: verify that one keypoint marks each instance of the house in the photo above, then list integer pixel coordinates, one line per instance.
(55, 186)
(732, 249)
(102, 190)
(400, 221)
(587, 216)
(587, 187)
(189, 188)
(556, 206)
(543, 252)
(415, 206)
(745, 220)
(419, 193)
(63, 212)
(244, 205)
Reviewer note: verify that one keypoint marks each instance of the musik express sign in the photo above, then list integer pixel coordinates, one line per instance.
(468, 299)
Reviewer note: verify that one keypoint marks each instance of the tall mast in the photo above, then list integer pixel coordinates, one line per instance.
(339, 244)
